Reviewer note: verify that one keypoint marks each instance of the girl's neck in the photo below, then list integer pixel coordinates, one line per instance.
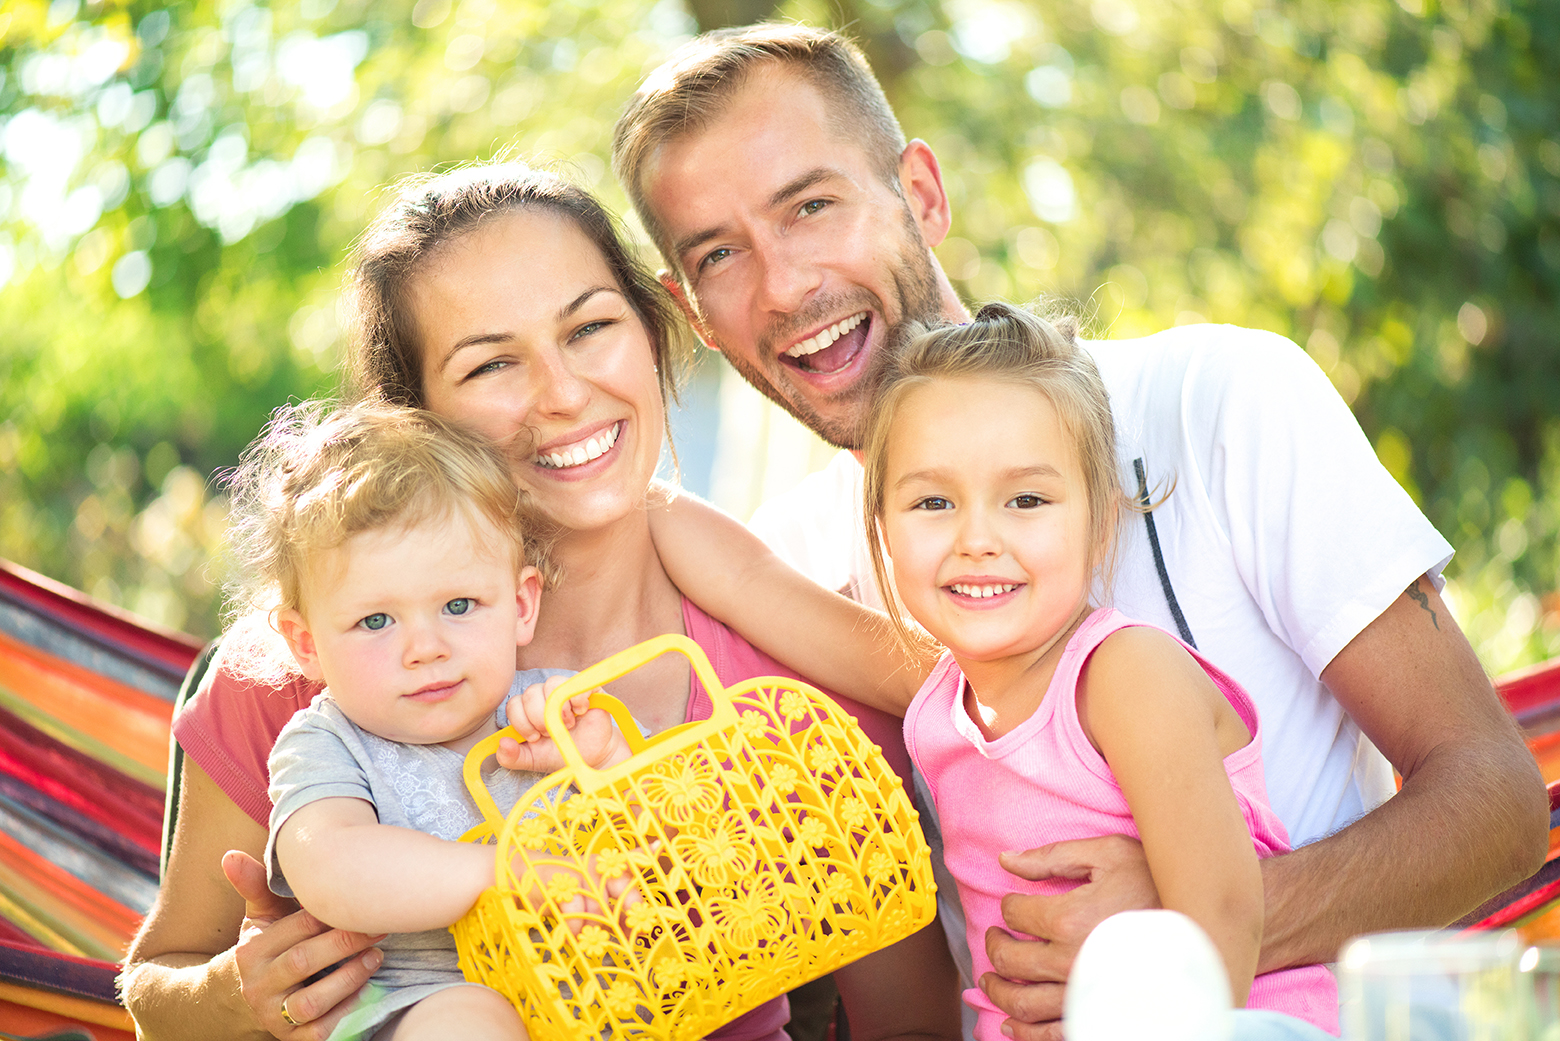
(1003, 692)
(614, 594)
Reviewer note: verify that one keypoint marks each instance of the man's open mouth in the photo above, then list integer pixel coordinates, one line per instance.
(832, 349)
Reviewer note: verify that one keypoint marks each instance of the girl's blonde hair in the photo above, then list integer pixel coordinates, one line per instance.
(1013, 345)
(318, 475)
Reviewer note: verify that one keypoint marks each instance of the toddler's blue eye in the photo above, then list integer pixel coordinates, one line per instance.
(460, 605)
(375, 622)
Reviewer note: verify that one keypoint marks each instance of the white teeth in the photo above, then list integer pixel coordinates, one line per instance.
(591, 448)
(981, 592)
(817, 343)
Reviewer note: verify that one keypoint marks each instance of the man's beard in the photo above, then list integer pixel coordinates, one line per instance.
(917, 293)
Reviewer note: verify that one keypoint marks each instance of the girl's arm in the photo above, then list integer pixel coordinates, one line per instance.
(1164, 729)
(352, 872)
(209, 966)
(725, 569)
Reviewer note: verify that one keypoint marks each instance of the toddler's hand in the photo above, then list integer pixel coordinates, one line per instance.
(598, 741)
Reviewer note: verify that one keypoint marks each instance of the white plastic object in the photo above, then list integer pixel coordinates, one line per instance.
(1148, 974)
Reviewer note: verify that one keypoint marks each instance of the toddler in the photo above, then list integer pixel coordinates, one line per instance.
(400, 564)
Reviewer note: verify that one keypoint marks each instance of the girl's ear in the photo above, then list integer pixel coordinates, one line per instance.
(528, 601)
(295, 630)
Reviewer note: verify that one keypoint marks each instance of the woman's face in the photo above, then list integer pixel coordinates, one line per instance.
(526, 337)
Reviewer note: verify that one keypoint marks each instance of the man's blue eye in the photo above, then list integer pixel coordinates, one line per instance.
(460, 605)
(375, 622)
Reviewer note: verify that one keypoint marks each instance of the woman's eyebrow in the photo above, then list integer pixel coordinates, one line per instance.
(578, 302)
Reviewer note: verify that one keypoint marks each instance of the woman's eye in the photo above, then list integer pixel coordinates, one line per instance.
(375, 622)
(1026, 502)
(460, 605)
(482, 370)
(588, 328)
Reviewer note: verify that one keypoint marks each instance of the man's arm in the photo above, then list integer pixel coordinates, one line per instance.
(1471, 820)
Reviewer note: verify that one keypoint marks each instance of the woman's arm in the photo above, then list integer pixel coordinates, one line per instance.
(207, 965)
(725, 569)
(1156, 717)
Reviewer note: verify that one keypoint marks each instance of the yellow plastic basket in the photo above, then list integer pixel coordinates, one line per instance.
(765, 846)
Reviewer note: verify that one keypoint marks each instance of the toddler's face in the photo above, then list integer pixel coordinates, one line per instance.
(986, 517)
(414, 629)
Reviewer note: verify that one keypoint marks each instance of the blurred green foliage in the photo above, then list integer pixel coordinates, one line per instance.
(1379, 180)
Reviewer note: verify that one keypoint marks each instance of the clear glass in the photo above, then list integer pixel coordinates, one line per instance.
(1433, 986)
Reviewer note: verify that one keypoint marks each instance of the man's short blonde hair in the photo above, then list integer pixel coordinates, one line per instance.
(315, 477)
(693, 86)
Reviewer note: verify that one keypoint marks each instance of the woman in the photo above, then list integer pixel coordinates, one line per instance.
(502, 298)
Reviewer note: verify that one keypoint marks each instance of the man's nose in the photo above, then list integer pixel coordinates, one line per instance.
(788, 274)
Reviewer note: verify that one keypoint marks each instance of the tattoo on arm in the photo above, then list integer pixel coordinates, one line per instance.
(1418, 596)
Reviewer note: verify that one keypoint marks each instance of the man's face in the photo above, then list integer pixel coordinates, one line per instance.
(803, 264)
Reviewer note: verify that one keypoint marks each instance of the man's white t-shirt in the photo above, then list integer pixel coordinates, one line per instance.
(1282, 538)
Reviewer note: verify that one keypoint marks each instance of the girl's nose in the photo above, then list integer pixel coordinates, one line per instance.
(977, 537)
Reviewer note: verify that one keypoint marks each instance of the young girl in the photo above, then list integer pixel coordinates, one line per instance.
(392, 549)
(990, 473)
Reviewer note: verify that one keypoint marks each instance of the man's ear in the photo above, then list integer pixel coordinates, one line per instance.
(528, 601)
(921, 179)
(295, 630)
(674, 288)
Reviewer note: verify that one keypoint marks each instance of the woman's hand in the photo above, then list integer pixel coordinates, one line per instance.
(279, 948)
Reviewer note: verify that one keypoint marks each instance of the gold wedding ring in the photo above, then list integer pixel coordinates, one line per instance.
(288, 1015)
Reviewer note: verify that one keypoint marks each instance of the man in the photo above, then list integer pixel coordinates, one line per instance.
(797, 224)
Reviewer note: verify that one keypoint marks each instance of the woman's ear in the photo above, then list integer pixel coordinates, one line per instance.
(528, 602)
(295, 630)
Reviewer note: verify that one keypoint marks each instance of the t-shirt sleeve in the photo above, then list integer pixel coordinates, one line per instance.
(1323, 536)
(228, 727)
(310, 762)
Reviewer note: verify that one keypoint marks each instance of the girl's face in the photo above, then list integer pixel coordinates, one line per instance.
(986, 517)
(527, 337)
(414, 629)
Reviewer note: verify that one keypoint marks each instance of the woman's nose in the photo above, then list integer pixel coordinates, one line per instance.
(560, 391)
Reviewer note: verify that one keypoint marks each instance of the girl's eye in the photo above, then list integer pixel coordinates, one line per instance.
(460, 605)
(1026, 501)
(375, 622)
(933, 502)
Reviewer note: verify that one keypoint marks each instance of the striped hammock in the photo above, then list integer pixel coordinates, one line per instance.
(86, 696)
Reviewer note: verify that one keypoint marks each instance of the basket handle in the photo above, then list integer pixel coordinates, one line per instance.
(485, 749)
(588, 778)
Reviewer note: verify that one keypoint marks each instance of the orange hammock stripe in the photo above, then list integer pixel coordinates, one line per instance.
(99, 926)
(56, 1011)
(111, 716)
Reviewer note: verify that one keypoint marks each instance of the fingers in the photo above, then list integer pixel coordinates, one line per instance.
(318, 1007)
(247, 877)
(1028, 961)
(1031, 1005)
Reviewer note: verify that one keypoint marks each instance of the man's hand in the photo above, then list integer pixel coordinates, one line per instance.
(1030, 975)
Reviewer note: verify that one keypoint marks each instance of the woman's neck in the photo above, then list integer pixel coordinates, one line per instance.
(614, 594)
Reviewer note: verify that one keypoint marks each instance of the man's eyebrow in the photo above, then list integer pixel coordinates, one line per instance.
(477, 339)
(784, 194)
